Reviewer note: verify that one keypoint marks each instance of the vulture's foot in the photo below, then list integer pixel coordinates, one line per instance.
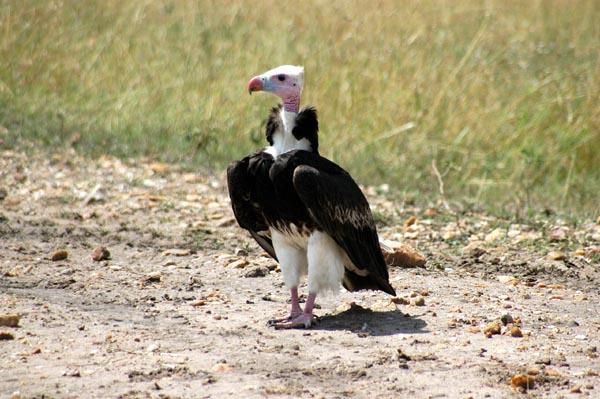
(305, 320)
(286, 319)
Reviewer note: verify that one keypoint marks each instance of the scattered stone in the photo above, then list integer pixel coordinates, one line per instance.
(410, 221)
(177, 252)
(150, 278)
(508, 280)
(430, 212)
(516, 332)
(215, 216)
(552, 373)
(398, 254)
(258, 271)
(9, 320)
(555, 255)
(450, 233)
(418, 301)
(159, 167)
(475, 249)
(152, 348)
(507, 319)
(239, 264)
(241, 252)
(522, 381)
(72, 373)
(579, 252)
(403, 356)
(592, 352)
(61, 254)
(495, 235)
(558, 234)
(6, 336)
(493, 328)
(221, 367)
(100, 253)
(384, 306)
(400, 301)
(575, 389)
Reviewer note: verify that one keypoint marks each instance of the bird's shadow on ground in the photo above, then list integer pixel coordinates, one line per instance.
(372, 322)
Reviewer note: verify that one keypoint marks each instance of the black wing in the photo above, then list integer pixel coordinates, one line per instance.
(244, 180)
(339, 207)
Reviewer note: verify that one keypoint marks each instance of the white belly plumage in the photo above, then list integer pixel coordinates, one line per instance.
(314, 254)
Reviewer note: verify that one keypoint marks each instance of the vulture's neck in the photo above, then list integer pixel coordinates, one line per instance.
(281, 136)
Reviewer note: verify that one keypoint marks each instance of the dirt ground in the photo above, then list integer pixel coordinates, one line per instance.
(179, 310)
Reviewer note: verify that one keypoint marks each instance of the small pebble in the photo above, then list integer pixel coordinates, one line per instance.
(418, 301)
(522, 381)
(6, 336)
(9, 320)
(400, 301)
(555, 255)
(100, 253)
(153, 277)
(239, 264)
(152, 348)
(410, 221)
(507, 319)
(492, 328)
(61, 254)
(177, 252)
(516, 332)
(259, 271)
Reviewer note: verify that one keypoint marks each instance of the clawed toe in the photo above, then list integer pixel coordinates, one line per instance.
(286, 319)
(304, 320)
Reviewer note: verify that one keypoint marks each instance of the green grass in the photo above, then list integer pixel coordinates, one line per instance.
(502, 95)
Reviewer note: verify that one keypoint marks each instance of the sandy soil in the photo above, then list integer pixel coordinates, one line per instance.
(180, 308)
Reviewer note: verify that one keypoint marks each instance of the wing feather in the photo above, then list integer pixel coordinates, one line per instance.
(243, 178)
(339, 207)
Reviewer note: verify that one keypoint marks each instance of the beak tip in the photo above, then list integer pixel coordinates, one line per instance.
(255, 84)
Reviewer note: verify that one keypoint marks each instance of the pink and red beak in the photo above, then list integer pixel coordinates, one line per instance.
(255, 84)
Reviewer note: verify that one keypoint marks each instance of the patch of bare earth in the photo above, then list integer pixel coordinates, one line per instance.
(175, 303)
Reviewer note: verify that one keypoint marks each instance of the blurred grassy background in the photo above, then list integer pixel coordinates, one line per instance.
(503, 96)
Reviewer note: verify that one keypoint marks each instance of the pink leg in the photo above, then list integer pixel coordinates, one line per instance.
(304, 319)
(295, 312)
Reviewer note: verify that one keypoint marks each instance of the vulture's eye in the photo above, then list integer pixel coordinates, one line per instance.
(281, 78)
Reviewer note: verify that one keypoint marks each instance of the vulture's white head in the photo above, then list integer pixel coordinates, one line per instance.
(286, 82)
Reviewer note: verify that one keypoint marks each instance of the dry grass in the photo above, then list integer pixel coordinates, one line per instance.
(501, 95)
